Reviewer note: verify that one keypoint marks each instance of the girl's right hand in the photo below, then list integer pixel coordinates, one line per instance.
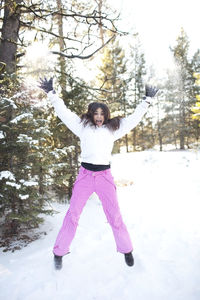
(46, 85)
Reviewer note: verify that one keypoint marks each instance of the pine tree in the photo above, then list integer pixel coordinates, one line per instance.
(195, 63)
(170, 121)
(112, 81)
(21, 177)
(136, 85)
(65, 144)
(110, 78)
(196, 110)
(183, 86)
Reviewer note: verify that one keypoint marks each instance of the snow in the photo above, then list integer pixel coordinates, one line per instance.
(2, 135)
(10, 101)
(43, 130)
(7, 175)
(13, 184)
(21, 117)
(161, 210)
(22, 138)
(18, 95)
(28, 183)
(23, 197)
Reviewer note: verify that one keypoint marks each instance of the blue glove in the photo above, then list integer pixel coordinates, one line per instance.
(46, 85)
(150, 91)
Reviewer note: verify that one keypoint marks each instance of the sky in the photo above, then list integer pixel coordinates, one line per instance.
(158, 24)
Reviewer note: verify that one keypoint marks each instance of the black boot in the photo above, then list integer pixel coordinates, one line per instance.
(58, 262)
(129, 259)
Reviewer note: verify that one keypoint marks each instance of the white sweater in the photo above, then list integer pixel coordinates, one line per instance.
(96, 142)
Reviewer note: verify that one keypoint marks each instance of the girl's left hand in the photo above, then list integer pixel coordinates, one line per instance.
(150, 91)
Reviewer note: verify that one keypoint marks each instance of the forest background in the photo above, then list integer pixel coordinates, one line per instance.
(93, 56)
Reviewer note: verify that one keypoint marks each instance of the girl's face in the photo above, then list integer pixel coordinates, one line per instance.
(99, 117)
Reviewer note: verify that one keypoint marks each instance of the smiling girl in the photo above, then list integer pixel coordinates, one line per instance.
(97, 132)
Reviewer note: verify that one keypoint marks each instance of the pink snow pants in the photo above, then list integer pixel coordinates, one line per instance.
(86, 183)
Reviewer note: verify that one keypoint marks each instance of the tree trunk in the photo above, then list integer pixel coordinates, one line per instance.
(9, 36)
(142, 138)
(62, 62)
(126, 140)
(182, 124)
(159, 127)
(182, 141)
(134, 139)
(100, 4)
(160, 140)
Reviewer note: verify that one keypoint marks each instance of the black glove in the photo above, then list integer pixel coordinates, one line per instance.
(150, 91)
(46, 85)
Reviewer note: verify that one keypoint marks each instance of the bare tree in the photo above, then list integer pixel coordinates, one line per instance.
(77, 32)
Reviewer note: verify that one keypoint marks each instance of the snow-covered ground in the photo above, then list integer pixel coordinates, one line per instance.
(161, 207)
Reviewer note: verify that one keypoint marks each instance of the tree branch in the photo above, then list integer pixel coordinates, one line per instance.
(48, 32)
(88, 88)
(83, 57)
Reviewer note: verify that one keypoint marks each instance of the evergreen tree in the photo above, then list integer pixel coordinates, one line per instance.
(196, 110)
(136, 86)
(179, 93)
(195, 66)
(65, 144)
(170, 121)
(112, 81)
(183, 87)
(111, 77)
(23, 146)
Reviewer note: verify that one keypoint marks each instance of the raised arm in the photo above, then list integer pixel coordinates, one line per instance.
(70, 119)
(132, 121)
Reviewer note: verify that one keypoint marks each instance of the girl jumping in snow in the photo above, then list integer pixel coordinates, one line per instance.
(97, 133)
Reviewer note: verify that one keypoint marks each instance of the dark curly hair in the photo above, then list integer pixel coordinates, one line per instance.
(88, 118)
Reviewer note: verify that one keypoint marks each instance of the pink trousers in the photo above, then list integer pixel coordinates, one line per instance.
(86, 183)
